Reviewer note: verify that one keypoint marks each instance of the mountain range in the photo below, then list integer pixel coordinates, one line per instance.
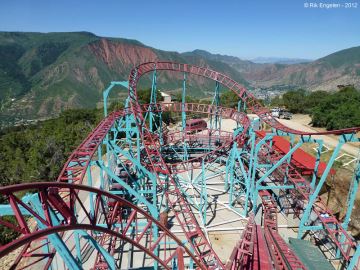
(42, 74)
(279, 60)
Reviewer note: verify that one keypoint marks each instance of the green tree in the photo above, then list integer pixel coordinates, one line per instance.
(229, 99)
(313, 99)
(295, 101)
(145, 95)
(277, 102)
(188, 99)
(338, 110)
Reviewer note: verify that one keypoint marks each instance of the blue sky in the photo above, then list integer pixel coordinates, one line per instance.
(244, 28)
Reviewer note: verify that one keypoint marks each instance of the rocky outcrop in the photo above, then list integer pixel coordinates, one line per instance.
(114, 53)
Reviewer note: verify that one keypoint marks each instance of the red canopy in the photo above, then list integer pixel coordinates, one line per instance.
(301, 159)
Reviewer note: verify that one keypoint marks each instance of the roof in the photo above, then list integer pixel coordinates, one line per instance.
(163, 94)
(301, 159)
(191, 121)
(309, 255)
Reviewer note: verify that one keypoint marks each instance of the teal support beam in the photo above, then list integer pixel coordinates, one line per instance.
(288, 161)
(131, 191)
(246, 183)
(316, 192)
(70, 261)
(78, 246)
(317, 162)
(110, 261)
(241, 107)
(191, 264)
(143, 171)
(90, 184)
(107, 92)
(160, 129)
(152, 101)
(271, 170)
(239, 110)
(229, 171)
(236, 175)
(204, 202)
(252, 157)
(314, 227)
(6, 210)
(354, 186)
(183, 101)
(183, 119)
(354, 262)
(215, 121)
(100, 160)
(217, 104)
(277, 164)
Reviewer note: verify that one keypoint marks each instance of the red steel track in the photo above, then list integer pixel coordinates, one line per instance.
(206, 109)
(251, 252)
(242, 253)
(52, 202)
(252, 103)
(177, 203)
(75, 168)
(283, 257)
(179, 206)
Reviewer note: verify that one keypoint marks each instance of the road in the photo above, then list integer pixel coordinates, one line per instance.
(301, 122)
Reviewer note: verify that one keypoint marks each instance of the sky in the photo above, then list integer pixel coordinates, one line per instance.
(243, 28)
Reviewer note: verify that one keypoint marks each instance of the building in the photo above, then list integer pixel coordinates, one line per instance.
(166, 97)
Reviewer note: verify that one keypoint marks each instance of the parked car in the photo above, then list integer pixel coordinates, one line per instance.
(275, 112)
(281, 113)
(287, 115)
(195, 125)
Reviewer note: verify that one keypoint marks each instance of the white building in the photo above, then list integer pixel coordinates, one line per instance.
(166, 97)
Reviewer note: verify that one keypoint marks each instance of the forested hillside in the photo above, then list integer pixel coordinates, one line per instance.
(334, 110)
(44, 74)
(37, 152)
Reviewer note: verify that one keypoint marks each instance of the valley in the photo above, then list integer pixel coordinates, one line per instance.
(43, 74)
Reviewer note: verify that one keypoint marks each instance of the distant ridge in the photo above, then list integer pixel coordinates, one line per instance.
(279, 60)
(326, 73)
(42, 74)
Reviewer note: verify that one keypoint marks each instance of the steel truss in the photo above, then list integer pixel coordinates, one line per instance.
(72, 228)
(136, 170)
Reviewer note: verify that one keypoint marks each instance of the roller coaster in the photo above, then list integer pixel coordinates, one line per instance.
(141, 192)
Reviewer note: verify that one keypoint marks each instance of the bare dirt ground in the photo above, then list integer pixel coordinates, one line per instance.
(302, 122)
